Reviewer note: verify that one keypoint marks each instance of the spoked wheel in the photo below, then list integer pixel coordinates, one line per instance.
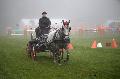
(33, 53)
(28, 50)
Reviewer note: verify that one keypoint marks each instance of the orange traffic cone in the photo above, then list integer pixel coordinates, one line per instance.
(94, 45)
(70, 46)
(114, 43)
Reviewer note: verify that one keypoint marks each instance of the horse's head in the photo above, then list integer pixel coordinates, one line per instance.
(63, 32)
(66, 28)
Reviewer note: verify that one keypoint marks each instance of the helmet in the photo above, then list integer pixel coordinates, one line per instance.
(44, 13)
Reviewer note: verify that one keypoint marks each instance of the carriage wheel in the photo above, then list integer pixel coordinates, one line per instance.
(28, 50)
(33, 53)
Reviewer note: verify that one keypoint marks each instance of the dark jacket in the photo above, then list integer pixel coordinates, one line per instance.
(44, 22)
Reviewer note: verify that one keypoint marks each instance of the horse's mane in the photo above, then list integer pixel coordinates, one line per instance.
(58, 34)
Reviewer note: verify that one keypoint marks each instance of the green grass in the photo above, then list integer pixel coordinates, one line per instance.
(85, 63)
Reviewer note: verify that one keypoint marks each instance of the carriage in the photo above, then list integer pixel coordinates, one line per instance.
(55, 42)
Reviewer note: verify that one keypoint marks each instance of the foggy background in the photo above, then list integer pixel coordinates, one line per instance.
(78, 11)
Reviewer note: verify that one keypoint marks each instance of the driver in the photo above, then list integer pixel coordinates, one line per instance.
(44, 25)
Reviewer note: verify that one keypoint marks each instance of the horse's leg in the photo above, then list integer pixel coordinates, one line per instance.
(68, 54)
(59, 57)
(51, 54)
(54, 57)
(61, 53)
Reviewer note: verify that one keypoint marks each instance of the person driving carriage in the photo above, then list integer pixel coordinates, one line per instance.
(44, 25)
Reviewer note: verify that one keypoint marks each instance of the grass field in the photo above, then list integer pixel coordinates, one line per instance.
(85, 63)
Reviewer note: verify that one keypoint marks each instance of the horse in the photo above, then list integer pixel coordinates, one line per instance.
(55, 41)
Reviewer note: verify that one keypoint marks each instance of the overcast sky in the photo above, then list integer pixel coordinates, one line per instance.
(78, 11)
